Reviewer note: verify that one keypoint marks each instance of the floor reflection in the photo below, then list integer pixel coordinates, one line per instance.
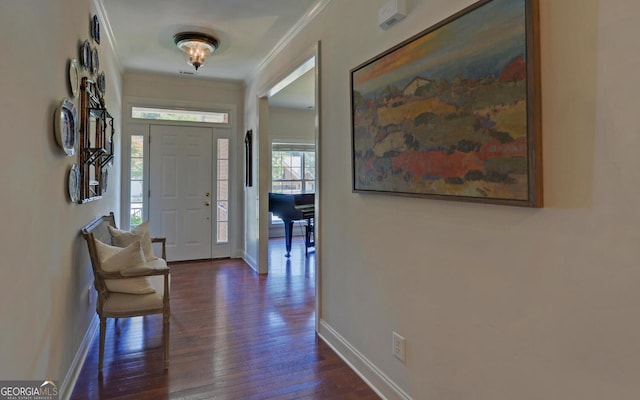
(297, 264)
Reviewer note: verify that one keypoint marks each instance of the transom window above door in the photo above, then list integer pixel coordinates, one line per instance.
(172, 114)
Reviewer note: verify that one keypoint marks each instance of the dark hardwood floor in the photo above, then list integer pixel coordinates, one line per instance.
(234, 335)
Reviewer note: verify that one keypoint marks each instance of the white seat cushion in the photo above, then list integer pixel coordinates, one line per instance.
(123, 303)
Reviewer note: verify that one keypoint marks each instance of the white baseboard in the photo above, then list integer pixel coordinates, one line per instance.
(70, 379)
(253, 263)
(376, 379)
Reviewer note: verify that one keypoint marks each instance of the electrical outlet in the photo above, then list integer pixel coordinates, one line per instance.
(398, 347)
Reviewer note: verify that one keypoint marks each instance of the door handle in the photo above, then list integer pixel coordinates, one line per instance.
(207, 203)
(207, 194)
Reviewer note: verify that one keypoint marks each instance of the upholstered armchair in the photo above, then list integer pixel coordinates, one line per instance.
(129, 279)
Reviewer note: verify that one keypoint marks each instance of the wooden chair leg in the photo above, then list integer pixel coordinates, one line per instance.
(166, 314)
(165, 328)
(103, 331)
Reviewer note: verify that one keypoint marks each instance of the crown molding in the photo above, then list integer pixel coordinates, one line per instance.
(107, 31)
(310, 15)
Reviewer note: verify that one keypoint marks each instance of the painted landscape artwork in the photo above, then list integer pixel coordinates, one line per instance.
(446, 113)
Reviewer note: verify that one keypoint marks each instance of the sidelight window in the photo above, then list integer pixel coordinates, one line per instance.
(222, 192)
(136, 200)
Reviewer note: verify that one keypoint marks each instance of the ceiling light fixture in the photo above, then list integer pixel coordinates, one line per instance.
(196, 47)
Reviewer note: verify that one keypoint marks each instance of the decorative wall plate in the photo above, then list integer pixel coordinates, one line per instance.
(85, 55)
(74, 183)
(74, 77)
(102, 83)
(95, 62)
(95, 29)
(66, 126)
(104, 180)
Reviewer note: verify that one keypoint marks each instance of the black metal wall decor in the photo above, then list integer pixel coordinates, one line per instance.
(96, 142)
(248, 158)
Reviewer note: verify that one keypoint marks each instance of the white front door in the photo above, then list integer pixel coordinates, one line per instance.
(180, 189)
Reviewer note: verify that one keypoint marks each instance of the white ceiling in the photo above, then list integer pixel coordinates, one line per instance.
(298, 94)
(248, 31)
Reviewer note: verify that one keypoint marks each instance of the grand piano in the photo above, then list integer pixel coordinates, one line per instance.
(294, 207)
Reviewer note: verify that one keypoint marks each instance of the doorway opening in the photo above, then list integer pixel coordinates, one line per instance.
(292, 182)
(271, 101)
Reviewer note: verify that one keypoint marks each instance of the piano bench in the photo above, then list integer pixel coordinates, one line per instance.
(309, 238)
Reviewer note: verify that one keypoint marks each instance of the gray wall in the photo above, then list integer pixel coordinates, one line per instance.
(45, 274)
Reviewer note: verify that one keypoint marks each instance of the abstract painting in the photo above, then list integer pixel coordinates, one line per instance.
(454, 112)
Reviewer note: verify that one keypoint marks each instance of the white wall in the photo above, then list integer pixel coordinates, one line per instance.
(183, 89)
(288, 125)
(44, 269)
(495, 302)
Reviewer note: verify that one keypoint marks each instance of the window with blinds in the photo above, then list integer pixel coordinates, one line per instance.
(293, 168)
